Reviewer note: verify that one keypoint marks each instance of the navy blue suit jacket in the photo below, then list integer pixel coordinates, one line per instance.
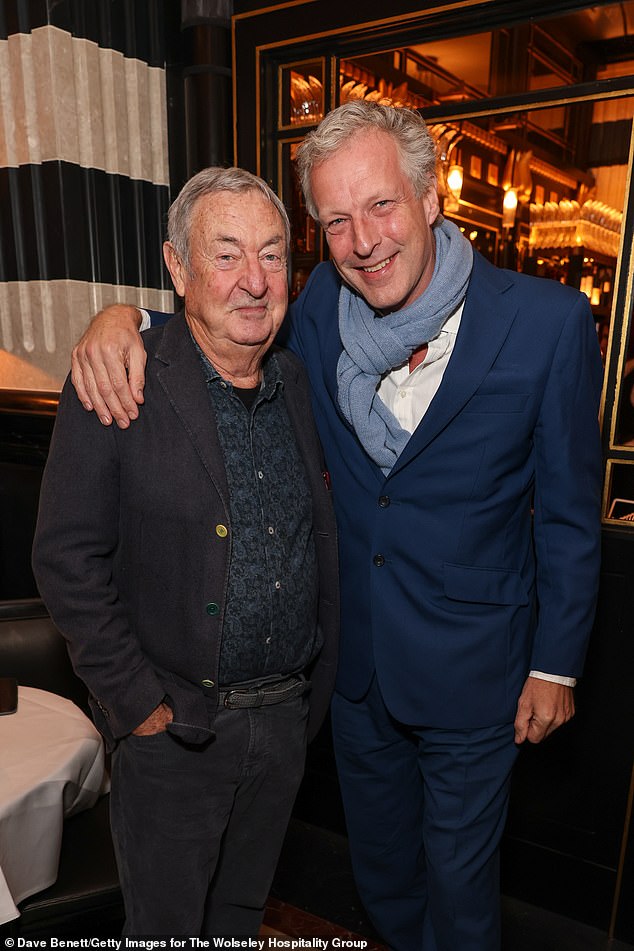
(470, 590)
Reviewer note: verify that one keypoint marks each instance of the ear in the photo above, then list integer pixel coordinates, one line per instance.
(177, 270)
(431, 203)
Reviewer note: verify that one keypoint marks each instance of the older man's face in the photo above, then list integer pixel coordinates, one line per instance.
(378, 232)
(235, 289)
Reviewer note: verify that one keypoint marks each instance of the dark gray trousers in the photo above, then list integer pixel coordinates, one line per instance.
(198, 831)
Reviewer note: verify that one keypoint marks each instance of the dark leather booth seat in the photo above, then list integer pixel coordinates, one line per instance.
(85, 899)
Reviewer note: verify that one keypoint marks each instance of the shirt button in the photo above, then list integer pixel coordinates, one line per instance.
(384, 501)
(402, 394)
(260, 474)
(207, 683)
(271, 530)
(212, 609)
(222, 531)
(278, 584)
(268, 640)
(379, 561)
(223, 384)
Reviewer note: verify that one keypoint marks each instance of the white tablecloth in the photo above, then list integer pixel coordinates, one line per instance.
(51, 766)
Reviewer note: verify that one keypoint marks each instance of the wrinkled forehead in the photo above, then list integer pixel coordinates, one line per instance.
(247, 216)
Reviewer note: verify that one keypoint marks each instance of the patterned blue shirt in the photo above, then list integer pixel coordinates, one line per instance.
(271, 610)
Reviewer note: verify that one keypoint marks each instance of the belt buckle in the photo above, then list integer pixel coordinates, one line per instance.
(227, 701)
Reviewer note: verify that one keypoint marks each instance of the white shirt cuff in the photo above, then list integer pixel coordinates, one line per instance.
(146, 323)
(554, 678)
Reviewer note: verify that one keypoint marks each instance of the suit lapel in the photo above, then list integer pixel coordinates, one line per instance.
(486, 320)
(179, 374)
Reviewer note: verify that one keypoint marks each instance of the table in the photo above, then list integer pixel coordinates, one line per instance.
(51, 766)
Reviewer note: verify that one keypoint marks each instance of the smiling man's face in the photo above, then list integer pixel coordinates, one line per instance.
(235, 287)
(378, 232)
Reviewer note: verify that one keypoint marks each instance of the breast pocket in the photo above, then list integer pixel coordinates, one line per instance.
(497, 403)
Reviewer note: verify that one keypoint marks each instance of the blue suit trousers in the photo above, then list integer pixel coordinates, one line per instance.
(425, 810)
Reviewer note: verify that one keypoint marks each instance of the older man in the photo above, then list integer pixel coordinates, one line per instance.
(191, 564)
(457, 405)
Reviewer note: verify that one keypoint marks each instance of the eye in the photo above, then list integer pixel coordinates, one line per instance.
(336, 226)
(226, 260)
(383, 207)
(272, 261)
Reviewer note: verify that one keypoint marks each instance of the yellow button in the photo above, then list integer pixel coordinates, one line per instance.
(222, 531)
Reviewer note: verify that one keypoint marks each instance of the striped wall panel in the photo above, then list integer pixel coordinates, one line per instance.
(84, 178)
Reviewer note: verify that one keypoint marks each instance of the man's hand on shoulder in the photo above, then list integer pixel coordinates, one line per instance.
(542, 708)
(108, 365)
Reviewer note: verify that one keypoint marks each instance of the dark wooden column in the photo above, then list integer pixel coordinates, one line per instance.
(206, 27)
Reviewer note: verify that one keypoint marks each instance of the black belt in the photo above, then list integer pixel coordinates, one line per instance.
(262, 695)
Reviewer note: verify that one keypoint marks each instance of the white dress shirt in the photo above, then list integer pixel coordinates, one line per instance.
(408, 395)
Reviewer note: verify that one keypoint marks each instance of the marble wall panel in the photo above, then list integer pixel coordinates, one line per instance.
(84, 182)
(68, 99)
(40, 321)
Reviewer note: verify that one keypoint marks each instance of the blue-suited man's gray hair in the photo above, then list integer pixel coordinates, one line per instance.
(415, 143)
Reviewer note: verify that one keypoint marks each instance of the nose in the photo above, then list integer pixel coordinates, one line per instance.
(365, 236)
(253, 278)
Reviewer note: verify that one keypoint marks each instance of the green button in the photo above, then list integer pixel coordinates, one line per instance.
(212, 609)
(222, 531)
(208, 683)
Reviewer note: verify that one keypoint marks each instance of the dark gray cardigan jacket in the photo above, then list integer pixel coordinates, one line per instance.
(126, 555)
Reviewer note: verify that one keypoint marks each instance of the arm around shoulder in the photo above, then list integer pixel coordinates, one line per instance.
(108, 365)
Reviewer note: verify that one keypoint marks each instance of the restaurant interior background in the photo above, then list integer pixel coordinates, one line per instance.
(107, 108)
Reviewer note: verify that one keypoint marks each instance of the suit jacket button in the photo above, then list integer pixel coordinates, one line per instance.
(212, 609)
(379, 561)
(222, 531)
(384, 501)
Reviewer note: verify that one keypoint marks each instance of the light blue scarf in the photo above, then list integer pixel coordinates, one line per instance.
(374, 345)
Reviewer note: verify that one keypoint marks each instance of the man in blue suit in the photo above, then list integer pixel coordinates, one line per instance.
(457, 405)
